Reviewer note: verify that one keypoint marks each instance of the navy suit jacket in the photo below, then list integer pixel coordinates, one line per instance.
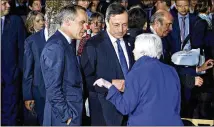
(99, 60)
(175, 41)
(12, 49)
(32, 76)
(63, 82)
(151, 96)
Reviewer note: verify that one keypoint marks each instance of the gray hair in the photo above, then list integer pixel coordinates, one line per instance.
(158, 16)
(148, 45)
(68, 13)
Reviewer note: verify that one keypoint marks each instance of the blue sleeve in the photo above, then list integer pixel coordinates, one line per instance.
(28, 72)
(52, 66)
(178, 105)
(126, 102)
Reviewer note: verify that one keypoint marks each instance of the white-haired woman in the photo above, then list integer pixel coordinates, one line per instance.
(152, 89)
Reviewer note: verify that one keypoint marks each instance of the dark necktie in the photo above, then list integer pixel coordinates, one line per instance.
(74, 43)
(122, 58)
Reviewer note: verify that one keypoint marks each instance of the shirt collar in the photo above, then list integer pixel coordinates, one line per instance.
(180, 16)
(113, 39)
(46, 34)
(66, 36)
(152, 30)
(3, 18)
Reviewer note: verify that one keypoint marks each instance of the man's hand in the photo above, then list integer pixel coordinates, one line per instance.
(198, 81)
(119, 84)
(207, 65)
(28, 103)
(69, 120)
(102, 82)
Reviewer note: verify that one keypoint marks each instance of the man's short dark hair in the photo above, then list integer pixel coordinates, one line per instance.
(98, 16)
(114, 9)
(168, 2)
(137, 17)
(68, 12)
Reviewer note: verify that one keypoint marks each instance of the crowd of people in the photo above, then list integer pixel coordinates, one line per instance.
(108, 63)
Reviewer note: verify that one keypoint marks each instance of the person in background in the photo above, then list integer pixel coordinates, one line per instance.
(20, 8)
(204, 100)
(182, 27)
(163, 5)
(123, 3)
(161, 25)
(61, 70)
(145, 95)
(192, 8)
(94, 5)
(34, 22)
(13, 35)
(35, 5)
(97, 23)
(33, 83)
(85, 4)
(137, 20)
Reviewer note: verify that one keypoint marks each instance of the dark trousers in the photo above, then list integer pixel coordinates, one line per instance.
(10, 98)
(96, 115)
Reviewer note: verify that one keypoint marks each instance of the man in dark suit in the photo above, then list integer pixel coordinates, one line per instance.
(182, 26)
(61, 72)
(13, 35)
(107, 55)
(161, 24)
(33, 83)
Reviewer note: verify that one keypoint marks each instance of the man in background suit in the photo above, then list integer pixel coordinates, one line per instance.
(107, 55)
(182, 26)
(33, 83)
(13, 35)
(61, 71)
(161, 24)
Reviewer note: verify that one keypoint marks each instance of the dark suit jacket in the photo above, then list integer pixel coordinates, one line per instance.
(175, 41)
(33, 84)
(12, 48)
(149, 101)
(99, 60)
(63, 82)
(165, 57)
(32, 70)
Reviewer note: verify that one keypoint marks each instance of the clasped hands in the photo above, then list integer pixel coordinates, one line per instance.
(118, 83)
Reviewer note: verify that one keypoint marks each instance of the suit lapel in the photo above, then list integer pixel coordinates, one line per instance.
(42, 34)
(177, 33)
(111, 52)
(129, 52)
(6, 26)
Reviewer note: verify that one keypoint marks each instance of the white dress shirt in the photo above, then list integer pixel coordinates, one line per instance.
(66, 36)
(122, 43)
(2, 25)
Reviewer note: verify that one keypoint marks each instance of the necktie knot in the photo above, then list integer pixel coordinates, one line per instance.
(183, 18)
(118, 41)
